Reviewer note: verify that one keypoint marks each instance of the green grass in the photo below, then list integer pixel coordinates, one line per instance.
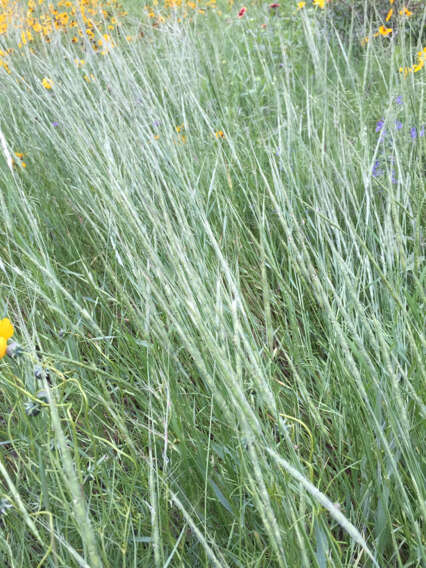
(233, 327)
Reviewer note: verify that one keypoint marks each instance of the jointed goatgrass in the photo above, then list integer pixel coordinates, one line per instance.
(232, 327)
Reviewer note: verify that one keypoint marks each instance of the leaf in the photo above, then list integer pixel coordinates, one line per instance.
(223, 500)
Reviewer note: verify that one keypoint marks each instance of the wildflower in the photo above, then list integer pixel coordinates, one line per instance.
(6, 332)
(301, 5)
(14, 350)
(4, 506)
(242, 12)
(376, 172)
(179, 128)
(32, 408)
(421, 58)
(275, 5)
(384, 31)
(40, 373)
(379, 125)
(220, 134)
(55, 124)
(398, 100)
(319, 3)
(20, 155)
(422, 131)
(405, 12)
(389, 15)
(413, 132)
(47, 83)
(398, 124)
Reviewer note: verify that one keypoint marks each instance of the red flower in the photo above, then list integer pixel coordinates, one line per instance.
(242, 12)
(275, 5)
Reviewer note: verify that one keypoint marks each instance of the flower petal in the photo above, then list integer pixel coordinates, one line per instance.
(6, 329)
(3, 343)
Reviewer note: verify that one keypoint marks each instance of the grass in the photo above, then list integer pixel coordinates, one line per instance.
(232, 327)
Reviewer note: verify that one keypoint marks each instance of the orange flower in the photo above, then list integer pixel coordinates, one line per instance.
(405, 12)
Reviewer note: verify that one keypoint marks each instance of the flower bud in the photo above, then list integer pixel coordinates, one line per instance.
(14, 350)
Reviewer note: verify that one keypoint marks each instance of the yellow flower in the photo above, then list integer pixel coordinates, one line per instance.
(301, 5)
(20, 155)
(389, 15)
(6, 332)
(47, 83)
(179, 128)
(220, 134)
(405, 70)
(405, 12)
(384, 31)
(320, 3)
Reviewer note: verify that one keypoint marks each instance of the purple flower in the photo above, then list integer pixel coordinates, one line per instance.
(413, 132)
(55, 124)
(376, 172)
(382, 136)
(379, 125)
(398, 100)
(398, 124)
(394, 180)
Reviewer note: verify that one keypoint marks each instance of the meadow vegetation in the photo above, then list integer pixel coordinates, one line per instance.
(212, 284)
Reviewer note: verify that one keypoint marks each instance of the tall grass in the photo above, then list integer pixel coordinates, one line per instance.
(232, 327)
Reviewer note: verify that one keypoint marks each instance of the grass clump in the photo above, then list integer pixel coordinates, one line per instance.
(213, 263)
